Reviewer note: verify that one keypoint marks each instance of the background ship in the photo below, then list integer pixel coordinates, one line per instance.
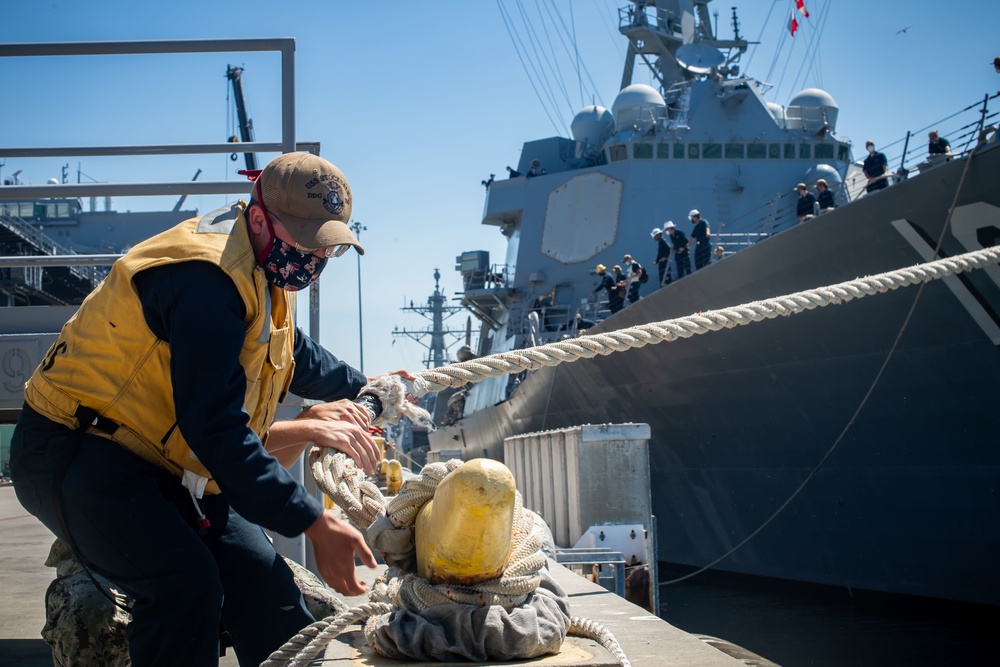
(908, 499)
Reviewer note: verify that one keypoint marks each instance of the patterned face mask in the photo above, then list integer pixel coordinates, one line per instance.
(285, 266)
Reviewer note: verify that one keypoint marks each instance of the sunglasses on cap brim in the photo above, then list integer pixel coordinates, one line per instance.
(331, 251)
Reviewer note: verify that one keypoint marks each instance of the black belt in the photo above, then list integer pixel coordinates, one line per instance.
(89, 417)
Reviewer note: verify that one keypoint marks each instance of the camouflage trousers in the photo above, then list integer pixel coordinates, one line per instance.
(85, 629)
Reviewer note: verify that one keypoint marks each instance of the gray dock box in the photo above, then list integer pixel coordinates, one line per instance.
(584, 475)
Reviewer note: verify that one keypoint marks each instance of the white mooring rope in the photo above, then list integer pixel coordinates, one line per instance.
(552, 354)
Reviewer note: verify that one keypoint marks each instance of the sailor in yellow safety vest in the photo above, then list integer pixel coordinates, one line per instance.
(144, 439)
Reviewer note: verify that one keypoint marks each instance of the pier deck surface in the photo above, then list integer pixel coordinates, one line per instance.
(647, 640)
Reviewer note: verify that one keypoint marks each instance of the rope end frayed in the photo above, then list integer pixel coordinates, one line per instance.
(392, 391)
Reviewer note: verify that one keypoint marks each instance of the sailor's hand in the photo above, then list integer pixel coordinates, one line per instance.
(335, 543)
(343, 410)
(350, 438)
(405, 374)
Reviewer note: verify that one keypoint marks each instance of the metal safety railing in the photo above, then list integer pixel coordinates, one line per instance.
(285, 46)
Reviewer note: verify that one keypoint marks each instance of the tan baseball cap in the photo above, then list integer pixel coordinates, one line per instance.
(312, 199)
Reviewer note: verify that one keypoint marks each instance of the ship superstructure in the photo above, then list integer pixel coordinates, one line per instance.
(706, 139)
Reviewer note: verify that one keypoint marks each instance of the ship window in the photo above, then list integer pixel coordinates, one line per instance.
(642, 151)
(662, 151)
(734, 150)
(842, 153)
(693, 151)
(619, 153)
(824, 151)
(789, 151)
(758, 151)
(711, 151)
(805, 150)
(678, 151)
(774, 151)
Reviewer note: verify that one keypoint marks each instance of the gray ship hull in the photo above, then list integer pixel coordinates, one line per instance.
(909, 502)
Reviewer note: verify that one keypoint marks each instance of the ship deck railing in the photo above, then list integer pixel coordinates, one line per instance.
(732, 242)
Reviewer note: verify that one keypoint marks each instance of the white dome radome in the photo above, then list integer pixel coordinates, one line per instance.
(812, 109)
(637, 106)
(592, 125)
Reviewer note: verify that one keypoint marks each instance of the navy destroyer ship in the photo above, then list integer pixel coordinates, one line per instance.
(903, 495)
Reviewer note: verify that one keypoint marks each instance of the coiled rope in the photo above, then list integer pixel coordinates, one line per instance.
(589, 346)
(391, 522)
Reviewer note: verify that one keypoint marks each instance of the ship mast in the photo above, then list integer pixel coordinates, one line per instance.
(657, 29)
(437, 311)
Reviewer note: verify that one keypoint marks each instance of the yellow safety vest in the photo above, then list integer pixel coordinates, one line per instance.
(106, 358)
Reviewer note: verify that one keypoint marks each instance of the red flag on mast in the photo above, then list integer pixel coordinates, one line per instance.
(801, 6)
(793, 25)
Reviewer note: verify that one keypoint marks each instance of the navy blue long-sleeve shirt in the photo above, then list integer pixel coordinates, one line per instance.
(195, 308)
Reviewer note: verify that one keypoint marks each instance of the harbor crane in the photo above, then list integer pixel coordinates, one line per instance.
(235, 76)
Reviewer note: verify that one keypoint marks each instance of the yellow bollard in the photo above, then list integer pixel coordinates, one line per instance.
(393, 477)
(380, 443)
(463, 534)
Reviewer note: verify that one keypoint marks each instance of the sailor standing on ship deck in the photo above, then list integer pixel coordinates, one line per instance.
(140, 442)
(662, 260)
(682, 255)
(825, 199)
(700, 235)
(937, 145)
(615, 291)
(635, 274)
(875, 168)
(805, 207)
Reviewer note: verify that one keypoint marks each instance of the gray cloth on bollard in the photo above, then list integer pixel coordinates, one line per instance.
(461, 632)
(464, 632)
(394, 542)
(85, 629)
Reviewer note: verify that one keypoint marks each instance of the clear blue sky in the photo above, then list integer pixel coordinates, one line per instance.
(417, 102)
